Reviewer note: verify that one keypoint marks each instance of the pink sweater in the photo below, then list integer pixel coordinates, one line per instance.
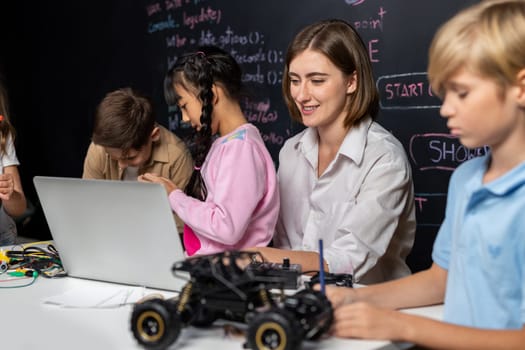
(242, 204)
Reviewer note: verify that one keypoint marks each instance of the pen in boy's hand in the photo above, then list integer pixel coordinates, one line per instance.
(321, 267)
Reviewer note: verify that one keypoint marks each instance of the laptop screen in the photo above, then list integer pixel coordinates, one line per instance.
(114, 231)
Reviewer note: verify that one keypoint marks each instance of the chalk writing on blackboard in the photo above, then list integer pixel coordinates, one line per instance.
(182, 25)
(354, 2)
(373, 23)
(437, 151)
(427, 205)
(374, 26)
(406, 91)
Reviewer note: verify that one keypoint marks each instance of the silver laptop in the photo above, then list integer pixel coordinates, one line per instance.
(113, 231)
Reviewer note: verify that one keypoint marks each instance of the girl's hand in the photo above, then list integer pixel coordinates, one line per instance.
(167, 183)
(7, 186)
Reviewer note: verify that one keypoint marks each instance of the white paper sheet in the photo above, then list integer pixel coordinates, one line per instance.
(102, 296)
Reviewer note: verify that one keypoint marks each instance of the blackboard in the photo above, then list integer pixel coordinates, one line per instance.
(397, 34)
(117, 43)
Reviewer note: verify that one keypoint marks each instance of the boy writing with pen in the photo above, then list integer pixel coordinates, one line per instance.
(477, 66)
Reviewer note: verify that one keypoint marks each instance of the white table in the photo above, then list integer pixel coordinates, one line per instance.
(27, 323)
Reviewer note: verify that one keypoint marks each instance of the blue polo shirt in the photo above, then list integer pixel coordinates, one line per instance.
(482, 245)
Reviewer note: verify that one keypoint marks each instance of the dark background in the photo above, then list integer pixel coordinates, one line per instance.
(59, 58)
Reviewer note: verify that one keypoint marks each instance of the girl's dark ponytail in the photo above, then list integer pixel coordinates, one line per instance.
(197, 72)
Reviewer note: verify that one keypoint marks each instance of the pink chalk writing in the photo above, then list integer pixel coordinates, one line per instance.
(153, 9)
(206, 15)
(406, 91)
(427, 206)
(372, 23)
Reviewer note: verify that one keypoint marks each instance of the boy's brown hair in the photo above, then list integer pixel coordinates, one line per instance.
(124, 119)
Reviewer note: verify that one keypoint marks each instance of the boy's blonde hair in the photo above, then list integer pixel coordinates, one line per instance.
(487, 39)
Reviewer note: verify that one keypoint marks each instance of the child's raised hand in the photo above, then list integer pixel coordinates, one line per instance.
(167, 183)
(7, 186)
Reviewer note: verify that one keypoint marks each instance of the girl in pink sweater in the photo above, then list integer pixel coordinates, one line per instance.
(232, 199)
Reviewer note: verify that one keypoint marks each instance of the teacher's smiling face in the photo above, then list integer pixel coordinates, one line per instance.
(320, 90)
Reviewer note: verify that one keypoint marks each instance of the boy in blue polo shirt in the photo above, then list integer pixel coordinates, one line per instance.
(477, 66)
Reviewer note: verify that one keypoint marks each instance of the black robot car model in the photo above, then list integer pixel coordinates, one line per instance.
(235, 286)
